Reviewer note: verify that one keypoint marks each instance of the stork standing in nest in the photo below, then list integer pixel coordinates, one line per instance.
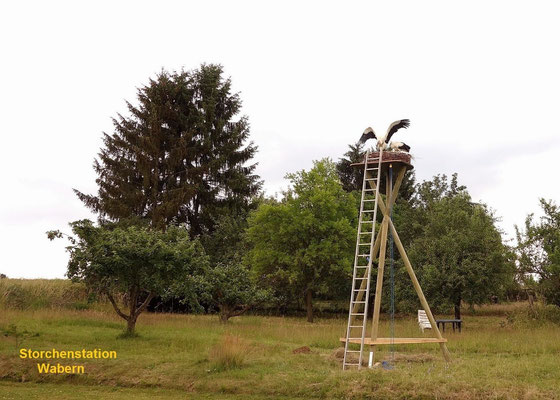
(383, 142)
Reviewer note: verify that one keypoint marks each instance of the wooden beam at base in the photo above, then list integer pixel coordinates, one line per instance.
(369, 342)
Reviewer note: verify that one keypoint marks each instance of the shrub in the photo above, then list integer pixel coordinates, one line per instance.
(537, 315)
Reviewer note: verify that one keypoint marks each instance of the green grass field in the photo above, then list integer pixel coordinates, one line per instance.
(185, 356)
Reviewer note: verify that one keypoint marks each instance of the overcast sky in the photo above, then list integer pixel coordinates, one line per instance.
(479, 80)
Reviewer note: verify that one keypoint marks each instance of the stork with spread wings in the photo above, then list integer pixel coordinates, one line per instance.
(384, 141)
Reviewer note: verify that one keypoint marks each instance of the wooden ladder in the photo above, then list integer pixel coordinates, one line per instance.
(363, 258)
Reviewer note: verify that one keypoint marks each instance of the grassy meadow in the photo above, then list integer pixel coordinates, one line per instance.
(195, 356)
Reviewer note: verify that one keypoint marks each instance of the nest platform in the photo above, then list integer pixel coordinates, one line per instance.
(397, 158)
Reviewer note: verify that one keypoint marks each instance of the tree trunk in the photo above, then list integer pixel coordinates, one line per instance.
(227, 311)
(134, 310)
(131, 324)
(132, 316)
(458, 309)
(309, 304)
(224, 314)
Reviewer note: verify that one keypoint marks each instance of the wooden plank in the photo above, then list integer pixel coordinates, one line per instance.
(377, 341)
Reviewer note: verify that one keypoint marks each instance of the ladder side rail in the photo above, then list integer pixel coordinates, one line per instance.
(356, 258)
(371, 251)
(368, 269)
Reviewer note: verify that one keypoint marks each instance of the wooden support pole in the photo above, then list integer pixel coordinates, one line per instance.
(376, 245)
(418, 289)
(394, 194)
(379, 283)
(385, 209)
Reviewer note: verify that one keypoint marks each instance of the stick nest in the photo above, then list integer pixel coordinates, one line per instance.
(389, 156)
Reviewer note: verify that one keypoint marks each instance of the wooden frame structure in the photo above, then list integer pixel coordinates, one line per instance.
(399, 165)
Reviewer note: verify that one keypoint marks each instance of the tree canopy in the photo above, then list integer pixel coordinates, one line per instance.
(229, 286)
(305, 242)
(458, 250)
(539, 251)
(180, 156)
(134, 263)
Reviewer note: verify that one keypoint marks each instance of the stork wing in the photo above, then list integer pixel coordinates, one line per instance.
(368, 134)
(404, 147)
(395, 126)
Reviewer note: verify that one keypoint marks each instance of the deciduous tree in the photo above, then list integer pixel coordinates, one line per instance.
(538, 251)
(232, 291)
(458, 250)
(306, 241)
(133, 262)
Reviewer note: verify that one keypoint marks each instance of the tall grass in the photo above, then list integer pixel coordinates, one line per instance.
(34, 294)
(230, 352)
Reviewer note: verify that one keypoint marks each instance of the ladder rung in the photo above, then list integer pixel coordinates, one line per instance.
(363, 222)
(363, 255)
(368, 211)
(372, 169)
(366, 233)
(353, 351)
(370, 179)
(359, 302)
(368, 200)
(368, 190)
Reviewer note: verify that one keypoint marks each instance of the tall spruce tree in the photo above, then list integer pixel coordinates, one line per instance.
(180, 156)
(351, 177)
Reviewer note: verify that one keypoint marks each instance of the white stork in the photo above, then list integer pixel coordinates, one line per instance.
(399, 146)
(384, 141)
